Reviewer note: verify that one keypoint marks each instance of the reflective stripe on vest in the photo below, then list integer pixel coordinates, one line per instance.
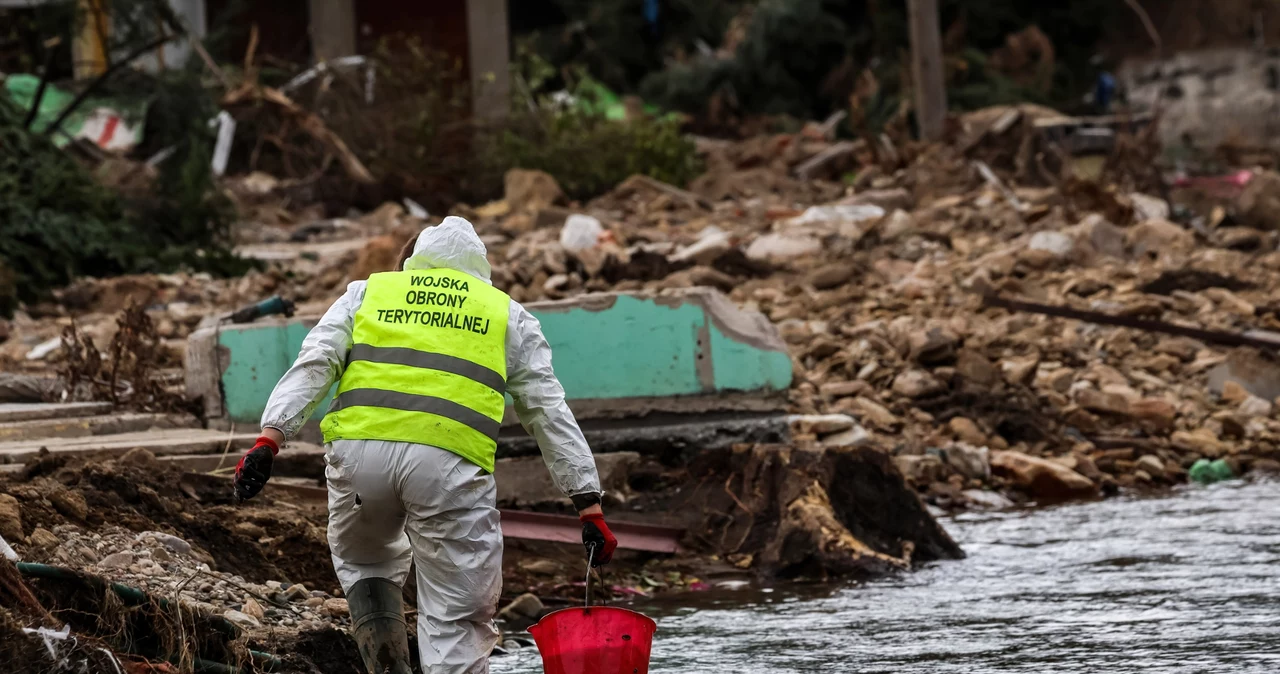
(427, 365)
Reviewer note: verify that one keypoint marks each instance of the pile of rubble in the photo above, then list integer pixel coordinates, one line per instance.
(879, 281)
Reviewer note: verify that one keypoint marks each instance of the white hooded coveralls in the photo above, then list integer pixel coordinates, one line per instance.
(390, 502)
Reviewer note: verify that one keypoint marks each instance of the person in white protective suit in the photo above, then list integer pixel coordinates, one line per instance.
(422, 357)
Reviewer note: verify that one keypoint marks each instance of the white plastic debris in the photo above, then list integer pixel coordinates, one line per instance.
(44, 348)
(580, 232)
(837, 213)
(6, 551)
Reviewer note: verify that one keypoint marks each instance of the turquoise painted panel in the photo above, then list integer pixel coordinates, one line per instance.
(742, 367)
(658, 356)
(259, 357)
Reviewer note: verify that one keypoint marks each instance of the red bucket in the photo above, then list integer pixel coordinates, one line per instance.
(596, 640)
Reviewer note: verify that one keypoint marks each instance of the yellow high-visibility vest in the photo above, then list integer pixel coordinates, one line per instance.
(428, 364)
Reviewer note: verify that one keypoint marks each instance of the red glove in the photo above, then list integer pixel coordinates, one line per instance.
(599, 541)
(254, 469)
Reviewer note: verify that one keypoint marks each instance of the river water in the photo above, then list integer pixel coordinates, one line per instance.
(1184, 583)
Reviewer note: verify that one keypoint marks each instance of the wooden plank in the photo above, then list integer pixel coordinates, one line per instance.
(29, 411)
(927, 68)
(166, 442)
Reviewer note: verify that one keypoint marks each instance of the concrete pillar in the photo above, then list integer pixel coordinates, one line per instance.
(489, 54)
(333, 28)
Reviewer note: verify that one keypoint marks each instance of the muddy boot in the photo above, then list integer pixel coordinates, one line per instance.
(377, 623)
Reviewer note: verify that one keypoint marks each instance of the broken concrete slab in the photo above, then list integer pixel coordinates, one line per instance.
(691, 345)
(10, 412)
(80, 427)
(1257, 372)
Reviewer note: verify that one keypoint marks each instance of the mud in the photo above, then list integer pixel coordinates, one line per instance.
(155, 497)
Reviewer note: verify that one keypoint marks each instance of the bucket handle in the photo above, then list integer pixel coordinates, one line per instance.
(591, 553)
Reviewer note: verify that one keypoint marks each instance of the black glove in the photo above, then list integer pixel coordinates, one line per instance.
(254, 469)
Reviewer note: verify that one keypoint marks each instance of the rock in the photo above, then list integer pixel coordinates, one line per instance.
(854, 437)
(253, 608)
(70, 503)
(170, 541)
(920, 470)
(336, 608)
(241, 619)
(896, 198)
(1156, 412)
(547, 217)
(43, 538)
(541, 567)
(1040, 477)
(843, 389)
(874, 414)
(1020, 370)
(1102, 236)
(1151, 464)
(522, 613)
(976, 368)
(383, 218)
(138, 456)
(1056, 244)
(297, 592)
(117, 560)
(830, 276)
(1256, 373)
(782, 247)
(1233, 392)
(987, 499)
(250, 530)
(1266, 466)
(1098, 401)
(822, 424)
(967, 431)
(1146, 207)
(1259, 204)
(526, 190)
(1157, 238)
(932, 346)
(916, 384)
(968, 460)
(1201, 441)
(898, 225)
(314, 602)
(1239, 238)
(10, 518)
(1253, 406)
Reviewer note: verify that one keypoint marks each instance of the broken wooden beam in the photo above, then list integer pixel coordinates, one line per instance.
(1219, 337)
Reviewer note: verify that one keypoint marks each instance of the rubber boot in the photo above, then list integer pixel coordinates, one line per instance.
(377, 623)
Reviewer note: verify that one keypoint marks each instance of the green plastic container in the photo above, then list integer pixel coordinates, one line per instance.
(1205, 471)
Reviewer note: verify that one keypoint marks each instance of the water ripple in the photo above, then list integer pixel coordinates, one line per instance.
(1186, 583)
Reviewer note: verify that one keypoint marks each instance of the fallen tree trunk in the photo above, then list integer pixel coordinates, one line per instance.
(789, 512)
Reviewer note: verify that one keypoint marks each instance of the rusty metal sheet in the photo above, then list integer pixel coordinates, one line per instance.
(567, 529)
(515, 523)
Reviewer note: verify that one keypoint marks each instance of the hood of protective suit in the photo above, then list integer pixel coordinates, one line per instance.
(452, 244)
